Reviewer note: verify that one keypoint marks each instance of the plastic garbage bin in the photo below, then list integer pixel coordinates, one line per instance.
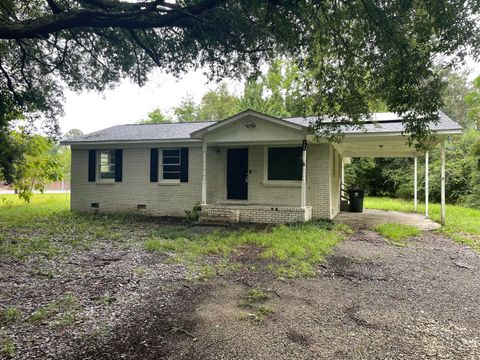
(356, 200)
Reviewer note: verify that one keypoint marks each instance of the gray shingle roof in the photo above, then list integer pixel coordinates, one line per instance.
(140, 132)
(383, 123)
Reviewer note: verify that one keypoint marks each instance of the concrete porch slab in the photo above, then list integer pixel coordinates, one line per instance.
(371, 218)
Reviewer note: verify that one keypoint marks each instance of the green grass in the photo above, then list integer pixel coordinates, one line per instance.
(253, 300)
(397, 234)
(298, 248)
(10, 315)
(65, 307)
(462, 223)
(46, 227)
(7, 346)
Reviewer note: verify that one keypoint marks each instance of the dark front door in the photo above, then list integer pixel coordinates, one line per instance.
(237, 174)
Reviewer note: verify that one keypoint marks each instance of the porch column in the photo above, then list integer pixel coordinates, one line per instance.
(303, 201)
(426, 183)
(204, 173)
(415, 189)
(442, 186)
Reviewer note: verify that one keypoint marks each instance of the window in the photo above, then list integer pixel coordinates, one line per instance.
(285, 163)
(107, 165)
(171, 164)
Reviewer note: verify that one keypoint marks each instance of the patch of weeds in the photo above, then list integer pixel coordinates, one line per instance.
(67, 306)
(20, 247)
(107, 299)
(253, 300)
(7, 346)
(254, 295)
(192, 215)
(140, 271)
(153, 245)
(397, 234)
(10, 315)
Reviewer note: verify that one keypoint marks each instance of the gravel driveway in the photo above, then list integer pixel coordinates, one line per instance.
(371, 300)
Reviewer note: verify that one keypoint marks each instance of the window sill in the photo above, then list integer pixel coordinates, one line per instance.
(169, 183)
(105, 182)
(283, 183)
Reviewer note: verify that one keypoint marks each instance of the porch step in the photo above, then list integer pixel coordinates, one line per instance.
(216, 216)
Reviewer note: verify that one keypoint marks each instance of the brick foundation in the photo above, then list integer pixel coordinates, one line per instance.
(255, 214)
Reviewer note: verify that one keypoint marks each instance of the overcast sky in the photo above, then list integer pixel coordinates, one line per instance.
(128, 103)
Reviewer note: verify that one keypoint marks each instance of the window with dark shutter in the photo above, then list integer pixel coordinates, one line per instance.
(284, 163)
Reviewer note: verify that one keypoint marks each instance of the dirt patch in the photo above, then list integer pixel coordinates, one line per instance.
(370, 300)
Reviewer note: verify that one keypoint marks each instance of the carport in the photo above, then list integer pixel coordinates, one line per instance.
(383, 136)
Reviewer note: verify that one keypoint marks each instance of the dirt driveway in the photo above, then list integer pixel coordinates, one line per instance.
(371, 301)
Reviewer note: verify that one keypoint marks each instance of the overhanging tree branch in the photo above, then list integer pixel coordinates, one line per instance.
(106, 18)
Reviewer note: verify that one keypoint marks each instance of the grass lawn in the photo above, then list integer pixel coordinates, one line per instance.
(46, 227)
(397, 234)
(462, 224)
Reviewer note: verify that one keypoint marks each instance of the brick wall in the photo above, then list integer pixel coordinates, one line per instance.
(257, 214)
(162, 199)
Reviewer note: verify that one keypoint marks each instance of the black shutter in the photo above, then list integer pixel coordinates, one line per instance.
(118, 165)
(92, 160)
(184, 165)
(153, 165)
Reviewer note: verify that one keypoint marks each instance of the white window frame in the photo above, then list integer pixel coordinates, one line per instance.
(110, 164)
(160, 167)
(266, 181)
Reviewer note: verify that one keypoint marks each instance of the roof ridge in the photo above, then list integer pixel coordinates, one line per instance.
(174, 123)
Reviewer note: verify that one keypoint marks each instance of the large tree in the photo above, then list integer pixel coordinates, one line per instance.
(352, 52)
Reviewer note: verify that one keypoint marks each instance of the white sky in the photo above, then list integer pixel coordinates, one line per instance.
(128, 103)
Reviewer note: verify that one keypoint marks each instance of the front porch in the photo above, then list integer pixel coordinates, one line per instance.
(254, 213)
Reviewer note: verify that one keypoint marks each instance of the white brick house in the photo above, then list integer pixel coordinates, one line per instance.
(249, 168)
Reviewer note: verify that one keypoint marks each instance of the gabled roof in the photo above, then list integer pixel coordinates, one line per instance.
(244, 114)
(380, 123)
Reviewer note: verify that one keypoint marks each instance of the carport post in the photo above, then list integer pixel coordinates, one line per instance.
(204, 173)
(442, 186)
(426, 183)
(415, 199)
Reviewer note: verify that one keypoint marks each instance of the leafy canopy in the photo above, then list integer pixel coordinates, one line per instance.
(350, 53)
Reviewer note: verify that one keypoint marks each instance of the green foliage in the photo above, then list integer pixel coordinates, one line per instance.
(218, 104)
(10, 315)
(7, 346)
(473, 101)
(192, 215)
(253, 300)
(462, 223)
(36, 162)
(156, 116)
(187, 110)
(397, 234)
(66, 306)
(297, 248)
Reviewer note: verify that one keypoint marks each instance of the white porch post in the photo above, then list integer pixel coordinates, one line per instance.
(426, 183)
(442, 186)
(415, 172)
(204, 173)
(303, 201)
